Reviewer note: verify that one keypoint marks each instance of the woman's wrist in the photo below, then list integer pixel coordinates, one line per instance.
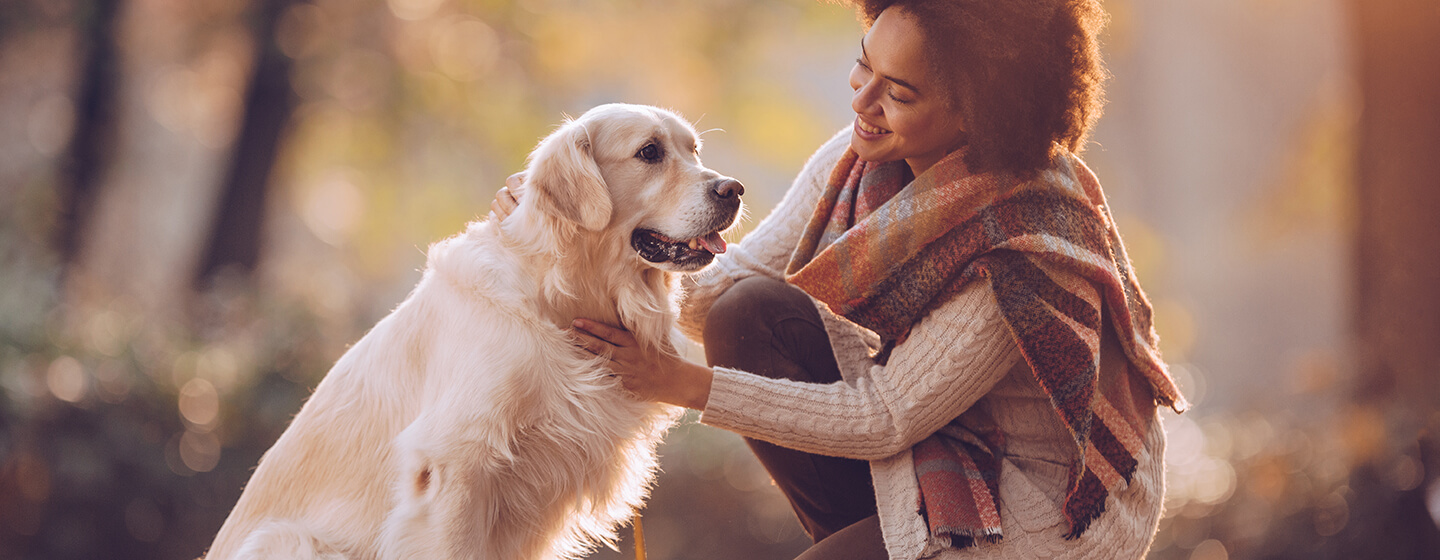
(694, 385)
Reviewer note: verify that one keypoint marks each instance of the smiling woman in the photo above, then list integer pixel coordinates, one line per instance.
(1021, 80)
(903, 110)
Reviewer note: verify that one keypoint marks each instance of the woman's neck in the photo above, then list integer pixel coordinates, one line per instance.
(920, 165)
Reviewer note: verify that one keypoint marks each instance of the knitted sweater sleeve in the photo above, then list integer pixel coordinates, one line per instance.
(766, 250)
(953, 356)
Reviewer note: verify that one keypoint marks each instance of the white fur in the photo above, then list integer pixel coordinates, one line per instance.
(466, 424)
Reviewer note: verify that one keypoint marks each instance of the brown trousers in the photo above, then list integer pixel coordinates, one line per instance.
(770, 328)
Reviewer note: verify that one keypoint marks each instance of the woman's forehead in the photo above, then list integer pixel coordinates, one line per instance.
(894, 46)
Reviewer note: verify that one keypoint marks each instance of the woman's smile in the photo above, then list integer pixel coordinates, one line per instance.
(868, 131)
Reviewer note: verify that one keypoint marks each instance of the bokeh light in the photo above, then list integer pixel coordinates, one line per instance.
(67, 380)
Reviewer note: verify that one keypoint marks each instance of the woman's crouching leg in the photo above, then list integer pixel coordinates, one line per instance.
(767, 327)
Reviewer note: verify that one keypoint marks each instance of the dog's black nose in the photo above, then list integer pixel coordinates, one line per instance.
(727, 188)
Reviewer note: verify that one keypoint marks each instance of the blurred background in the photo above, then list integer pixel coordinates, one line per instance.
(203, 202)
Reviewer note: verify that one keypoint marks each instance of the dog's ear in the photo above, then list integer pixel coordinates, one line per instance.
(565, 181)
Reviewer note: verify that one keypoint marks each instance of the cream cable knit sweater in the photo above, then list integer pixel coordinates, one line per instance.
(959, 355)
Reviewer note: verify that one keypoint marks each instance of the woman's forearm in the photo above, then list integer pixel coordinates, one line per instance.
(953, 357)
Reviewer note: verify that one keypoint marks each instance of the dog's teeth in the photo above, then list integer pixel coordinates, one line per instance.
(695, 243)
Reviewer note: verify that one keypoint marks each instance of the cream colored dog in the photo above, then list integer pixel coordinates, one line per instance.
(466, 424)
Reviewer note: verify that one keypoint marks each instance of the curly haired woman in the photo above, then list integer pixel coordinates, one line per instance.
(935, 343)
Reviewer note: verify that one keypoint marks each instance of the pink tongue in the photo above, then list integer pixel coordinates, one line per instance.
(713, 243)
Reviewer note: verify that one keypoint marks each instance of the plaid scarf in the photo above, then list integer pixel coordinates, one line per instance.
(882, 253)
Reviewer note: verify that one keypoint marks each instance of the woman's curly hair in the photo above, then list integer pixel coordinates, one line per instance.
(1025, 74)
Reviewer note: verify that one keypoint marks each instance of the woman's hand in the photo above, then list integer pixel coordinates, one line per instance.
(651, 375)
(505, 201)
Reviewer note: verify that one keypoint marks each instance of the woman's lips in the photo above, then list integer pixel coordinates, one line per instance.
(868, 131)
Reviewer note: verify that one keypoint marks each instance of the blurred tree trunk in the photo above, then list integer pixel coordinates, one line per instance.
(1397, 313)
(235, 239)
(94, 129)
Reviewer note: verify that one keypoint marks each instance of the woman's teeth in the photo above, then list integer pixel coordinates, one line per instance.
(871, 129)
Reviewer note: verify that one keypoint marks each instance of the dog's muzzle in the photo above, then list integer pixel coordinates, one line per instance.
(655, 247)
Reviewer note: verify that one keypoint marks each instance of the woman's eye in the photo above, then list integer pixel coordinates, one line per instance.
(897, 99)
(650, 153)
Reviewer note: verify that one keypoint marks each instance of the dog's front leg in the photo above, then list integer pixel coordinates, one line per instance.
(454, 495)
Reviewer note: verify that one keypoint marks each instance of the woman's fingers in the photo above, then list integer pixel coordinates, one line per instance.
(647, 374)
(591, 343)
(514, 181)
(503, 204)
(613, 335)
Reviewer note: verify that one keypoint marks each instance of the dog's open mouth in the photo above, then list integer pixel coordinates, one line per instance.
(656, 247)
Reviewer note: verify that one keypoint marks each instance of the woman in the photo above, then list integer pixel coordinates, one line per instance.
(979, 378)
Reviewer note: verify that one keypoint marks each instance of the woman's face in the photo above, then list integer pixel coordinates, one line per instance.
(901, 110)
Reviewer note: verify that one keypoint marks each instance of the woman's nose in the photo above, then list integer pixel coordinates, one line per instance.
(863, 102)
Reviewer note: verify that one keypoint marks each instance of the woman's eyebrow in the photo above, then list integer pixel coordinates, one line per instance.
(864, 56)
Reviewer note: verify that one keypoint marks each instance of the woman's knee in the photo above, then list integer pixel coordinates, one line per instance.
(769, 328)
(754, 304)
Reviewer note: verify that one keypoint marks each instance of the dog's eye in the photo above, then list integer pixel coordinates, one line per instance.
(650, 153)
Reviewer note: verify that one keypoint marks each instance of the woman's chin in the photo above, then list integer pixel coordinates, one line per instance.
(867, 149)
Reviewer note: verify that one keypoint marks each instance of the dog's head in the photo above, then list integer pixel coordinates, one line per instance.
(635, 171)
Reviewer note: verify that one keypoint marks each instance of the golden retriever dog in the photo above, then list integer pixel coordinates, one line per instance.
(465, 424)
